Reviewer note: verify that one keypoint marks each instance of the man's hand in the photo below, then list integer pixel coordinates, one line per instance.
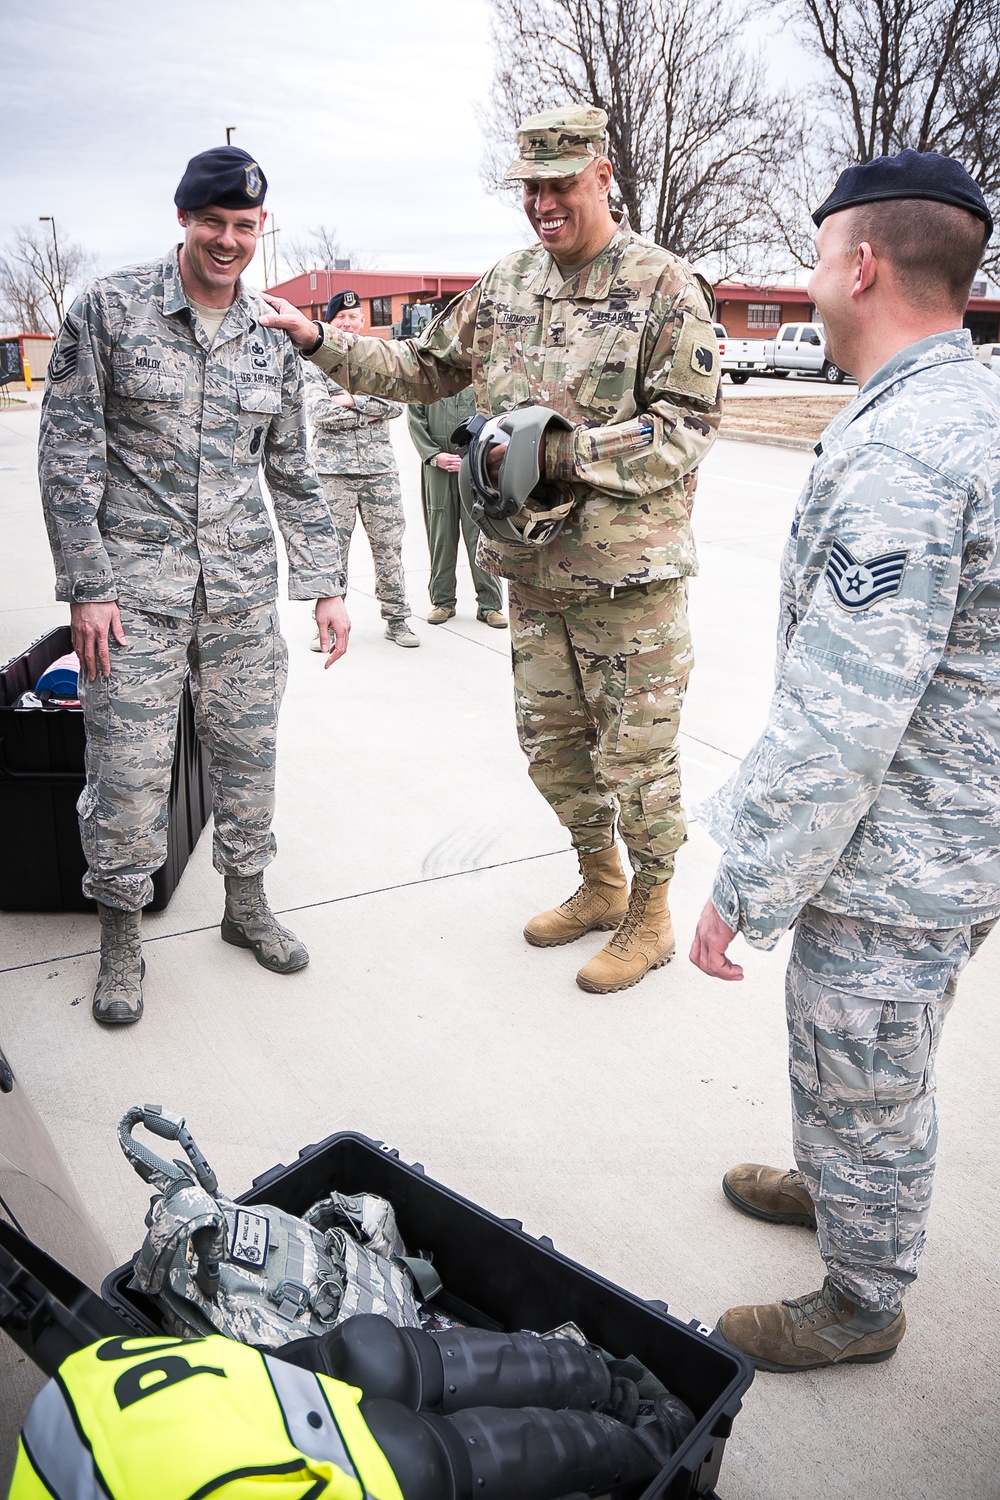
(711, 939)
(334, 627)
(494, 458)
(343, 398)
(90, 624)
(300, 329)
(449, 462)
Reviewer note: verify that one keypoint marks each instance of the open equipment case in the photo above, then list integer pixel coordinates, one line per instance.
(42, 775)
(494, 1275)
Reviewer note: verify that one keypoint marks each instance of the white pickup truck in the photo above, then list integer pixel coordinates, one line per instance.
(797, 346)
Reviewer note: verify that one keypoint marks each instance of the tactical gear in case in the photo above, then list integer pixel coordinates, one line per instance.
(263, 1277)
(496, 1276)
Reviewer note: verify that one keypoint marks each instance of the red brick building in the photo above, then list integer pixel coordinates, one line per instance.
(757, 312)
(745, 311)
(383, 293)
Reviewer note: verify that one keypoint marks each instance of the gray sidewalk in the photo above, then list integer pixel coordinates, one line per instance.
(411, 849)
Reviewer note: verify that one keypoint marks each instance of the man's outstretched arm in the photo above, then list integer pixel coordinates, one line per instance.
(436, 364)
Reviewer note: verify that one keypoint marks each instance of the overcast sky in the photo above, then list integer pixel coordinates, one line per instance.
(361, 112)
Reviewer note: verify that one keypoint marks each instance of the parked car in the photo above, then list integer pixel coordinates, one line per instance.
(797, 346)
(989, 355)
(729, 362)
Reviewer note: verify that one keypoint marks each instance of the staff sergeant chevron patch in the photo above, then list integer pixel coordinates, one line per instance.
(855, 584)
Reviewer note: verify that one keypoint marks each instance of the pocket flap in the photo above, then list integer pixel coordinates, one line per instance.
(136, 525)
(252, 534)
(144, 382)
(259, 398)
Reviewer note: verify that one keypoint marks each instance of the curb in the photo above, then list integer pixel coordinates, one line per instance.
(771, 439)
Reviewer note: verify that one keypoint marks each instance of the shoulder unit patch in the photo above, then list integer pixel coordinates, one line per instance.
(857, 584)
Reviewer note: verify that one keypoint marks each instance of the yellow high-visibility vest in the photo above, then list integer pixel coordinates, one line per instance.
(183, 1419)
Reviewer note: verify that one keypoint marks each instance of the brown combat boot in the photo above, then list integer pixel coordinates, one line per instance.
(769, 1193)
(599, 904)
(118, 996)
(644, 940)
(808, 1333)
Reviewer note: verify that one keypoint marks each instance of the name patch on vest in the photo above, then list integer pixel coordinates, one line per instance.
(248, 1246)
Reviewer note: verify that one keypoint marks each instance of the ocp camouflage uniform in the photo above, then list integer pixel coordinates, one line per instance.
(352, 451)
(150, 448)
(869, 808)
(625, 349)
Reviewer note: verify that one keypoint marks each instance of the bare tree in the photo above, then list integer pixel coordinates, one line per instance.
(898, 73)
(320, 249)
(38, 271)
(695, 135)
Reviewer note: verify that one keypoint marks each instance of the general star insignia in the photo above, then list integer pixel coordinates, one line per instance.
(857, 584)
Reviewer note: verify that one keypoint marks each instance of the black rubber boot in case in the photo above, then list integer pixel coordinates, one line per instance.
(525, 1454)
(462, 1367)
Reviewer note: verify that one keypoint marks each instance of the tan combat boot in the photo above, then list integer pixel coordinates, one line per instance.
(643, 941)
(769, 1193)
(250, 923)
(808, 1333)
(118, 996)
(599, 904)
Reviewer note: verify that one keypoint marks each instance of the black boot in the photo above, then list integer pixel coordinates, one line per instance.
(462, 1367)
(528, 1454)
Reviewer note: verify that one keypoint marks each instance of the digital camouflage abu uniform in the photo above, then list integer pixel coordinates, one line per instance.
(445, 517)
(151, 444)
(626, 350)
(869, 808)
(352, 451)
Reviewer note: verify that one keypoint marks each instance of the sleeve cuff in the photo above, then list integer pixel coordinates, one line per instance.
(560, 454)
(332, 349)
(325, 586)
(725, 898)
(93, 591)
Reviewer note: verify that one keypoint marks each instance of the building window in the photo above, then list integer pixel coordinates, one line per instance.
(381, 312)
(763, 314)
(312, 281)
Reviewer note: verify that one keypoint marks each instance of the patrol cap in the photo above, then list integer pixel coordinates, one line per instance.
(225, 176)
(909, 174)
(559, 143)
(348, 299)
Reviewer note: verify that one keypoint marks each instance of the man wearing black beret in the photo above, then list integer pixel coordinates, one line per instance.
(867, 814)
(165, 398)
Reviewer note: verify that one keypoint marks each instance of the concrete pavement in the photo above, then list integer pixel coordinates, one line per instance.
(412, 848)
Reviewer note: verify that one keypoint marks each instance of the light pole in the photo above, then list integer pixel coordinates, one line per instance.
(57, 299)
(229, 132)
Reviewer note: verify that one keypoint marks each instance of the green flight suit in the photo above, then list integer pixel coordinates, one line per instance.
(431, 427)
